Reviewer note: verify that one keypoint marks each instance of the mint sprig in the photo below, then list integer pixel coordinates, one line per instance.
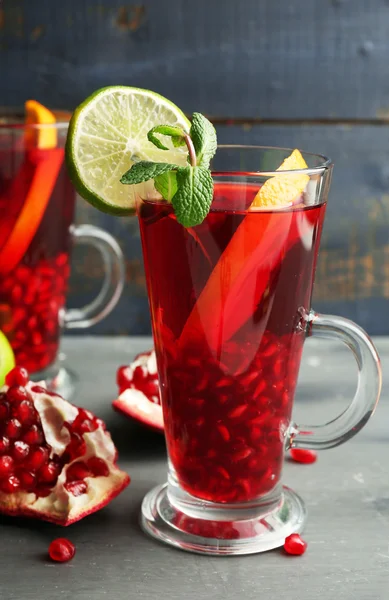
(193, 198)
(189, 189)
(166, 185)
(203, 136)
(176, 133)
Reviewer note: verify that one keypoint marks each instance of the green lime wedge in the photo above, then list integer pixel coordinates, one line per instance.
(7, 358)
(108, 133)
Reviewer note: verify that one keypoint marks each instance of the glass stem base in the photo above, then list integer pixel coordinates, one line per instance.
(57, 379)
(203, 531)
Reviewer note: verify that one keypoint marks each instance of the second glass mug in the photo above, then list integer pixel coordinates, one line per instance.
(230, 304)
(37, 205)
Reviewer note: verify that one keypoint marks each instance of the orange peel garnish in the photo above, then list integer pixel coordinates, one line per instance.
(283, 189)
(43, 138)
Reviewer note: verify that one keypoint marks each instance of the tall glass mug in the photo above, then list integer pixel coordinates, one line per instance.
(36, 235)
(230, 303)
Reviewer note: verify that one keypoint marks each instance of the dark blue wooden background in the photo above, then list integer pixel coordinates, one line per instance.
(307, 73)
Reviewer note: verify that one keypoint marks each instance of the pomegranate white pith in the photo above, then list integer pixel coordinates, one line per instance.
(69, 465)
(139, 396)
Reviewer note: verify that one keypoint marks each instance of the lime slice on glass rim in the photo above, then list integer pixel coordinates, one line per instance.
(7, 358)
(108, 133)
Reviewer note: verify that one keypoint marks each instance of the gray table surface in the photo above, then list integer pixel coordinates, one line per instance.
(346, 492)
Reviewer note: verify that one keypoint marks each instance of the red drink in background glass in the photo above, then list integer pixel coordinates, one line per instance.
(36, 235)
(32, 292)
(228, 378)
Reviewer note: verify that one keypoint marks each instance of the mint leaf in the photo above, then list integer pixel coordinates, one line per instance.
(176, 133)
(144, 170)
(166, 184)
(178, 141)
(203, 136)
(193, 198)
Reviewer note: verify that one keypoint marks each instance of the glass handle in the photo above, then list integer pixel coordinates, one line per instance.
(113, 261)
(347, 424)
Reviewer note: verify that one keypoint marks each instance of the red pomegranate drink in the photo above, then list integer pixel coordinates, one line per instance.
(227, 387)
(230, 238)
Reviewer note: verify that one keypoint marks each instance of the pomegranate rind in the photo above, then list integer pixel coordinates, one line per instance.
(38, 509)
(133, 403)
(61, 506)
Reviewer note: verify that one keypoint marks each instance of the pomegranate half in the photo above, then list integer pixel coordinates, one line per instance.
(57, 461)
(139, 396)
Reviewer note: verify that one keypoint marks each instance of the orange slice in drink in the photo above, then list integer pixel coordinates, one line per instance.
(42, 151)
(283, 189)
(230, 294)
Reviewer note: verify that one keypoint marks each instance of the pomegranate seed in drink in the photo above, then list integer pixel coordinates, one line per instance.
(34, 326)
(294, 544)
(61, 550)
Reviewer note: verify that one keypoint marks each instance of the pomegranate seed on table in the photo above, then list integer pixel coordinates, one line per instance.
(61, 550)
(302, 455)
(294, 544)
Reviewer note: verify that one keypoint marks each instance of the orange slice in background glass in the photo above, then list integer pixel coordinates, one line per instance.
(40, 137)
(41, 150)
(216, 313)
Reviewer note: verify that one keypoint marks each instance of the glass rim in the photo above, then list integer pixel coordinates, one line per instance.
(63, 124)
(325, 165)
